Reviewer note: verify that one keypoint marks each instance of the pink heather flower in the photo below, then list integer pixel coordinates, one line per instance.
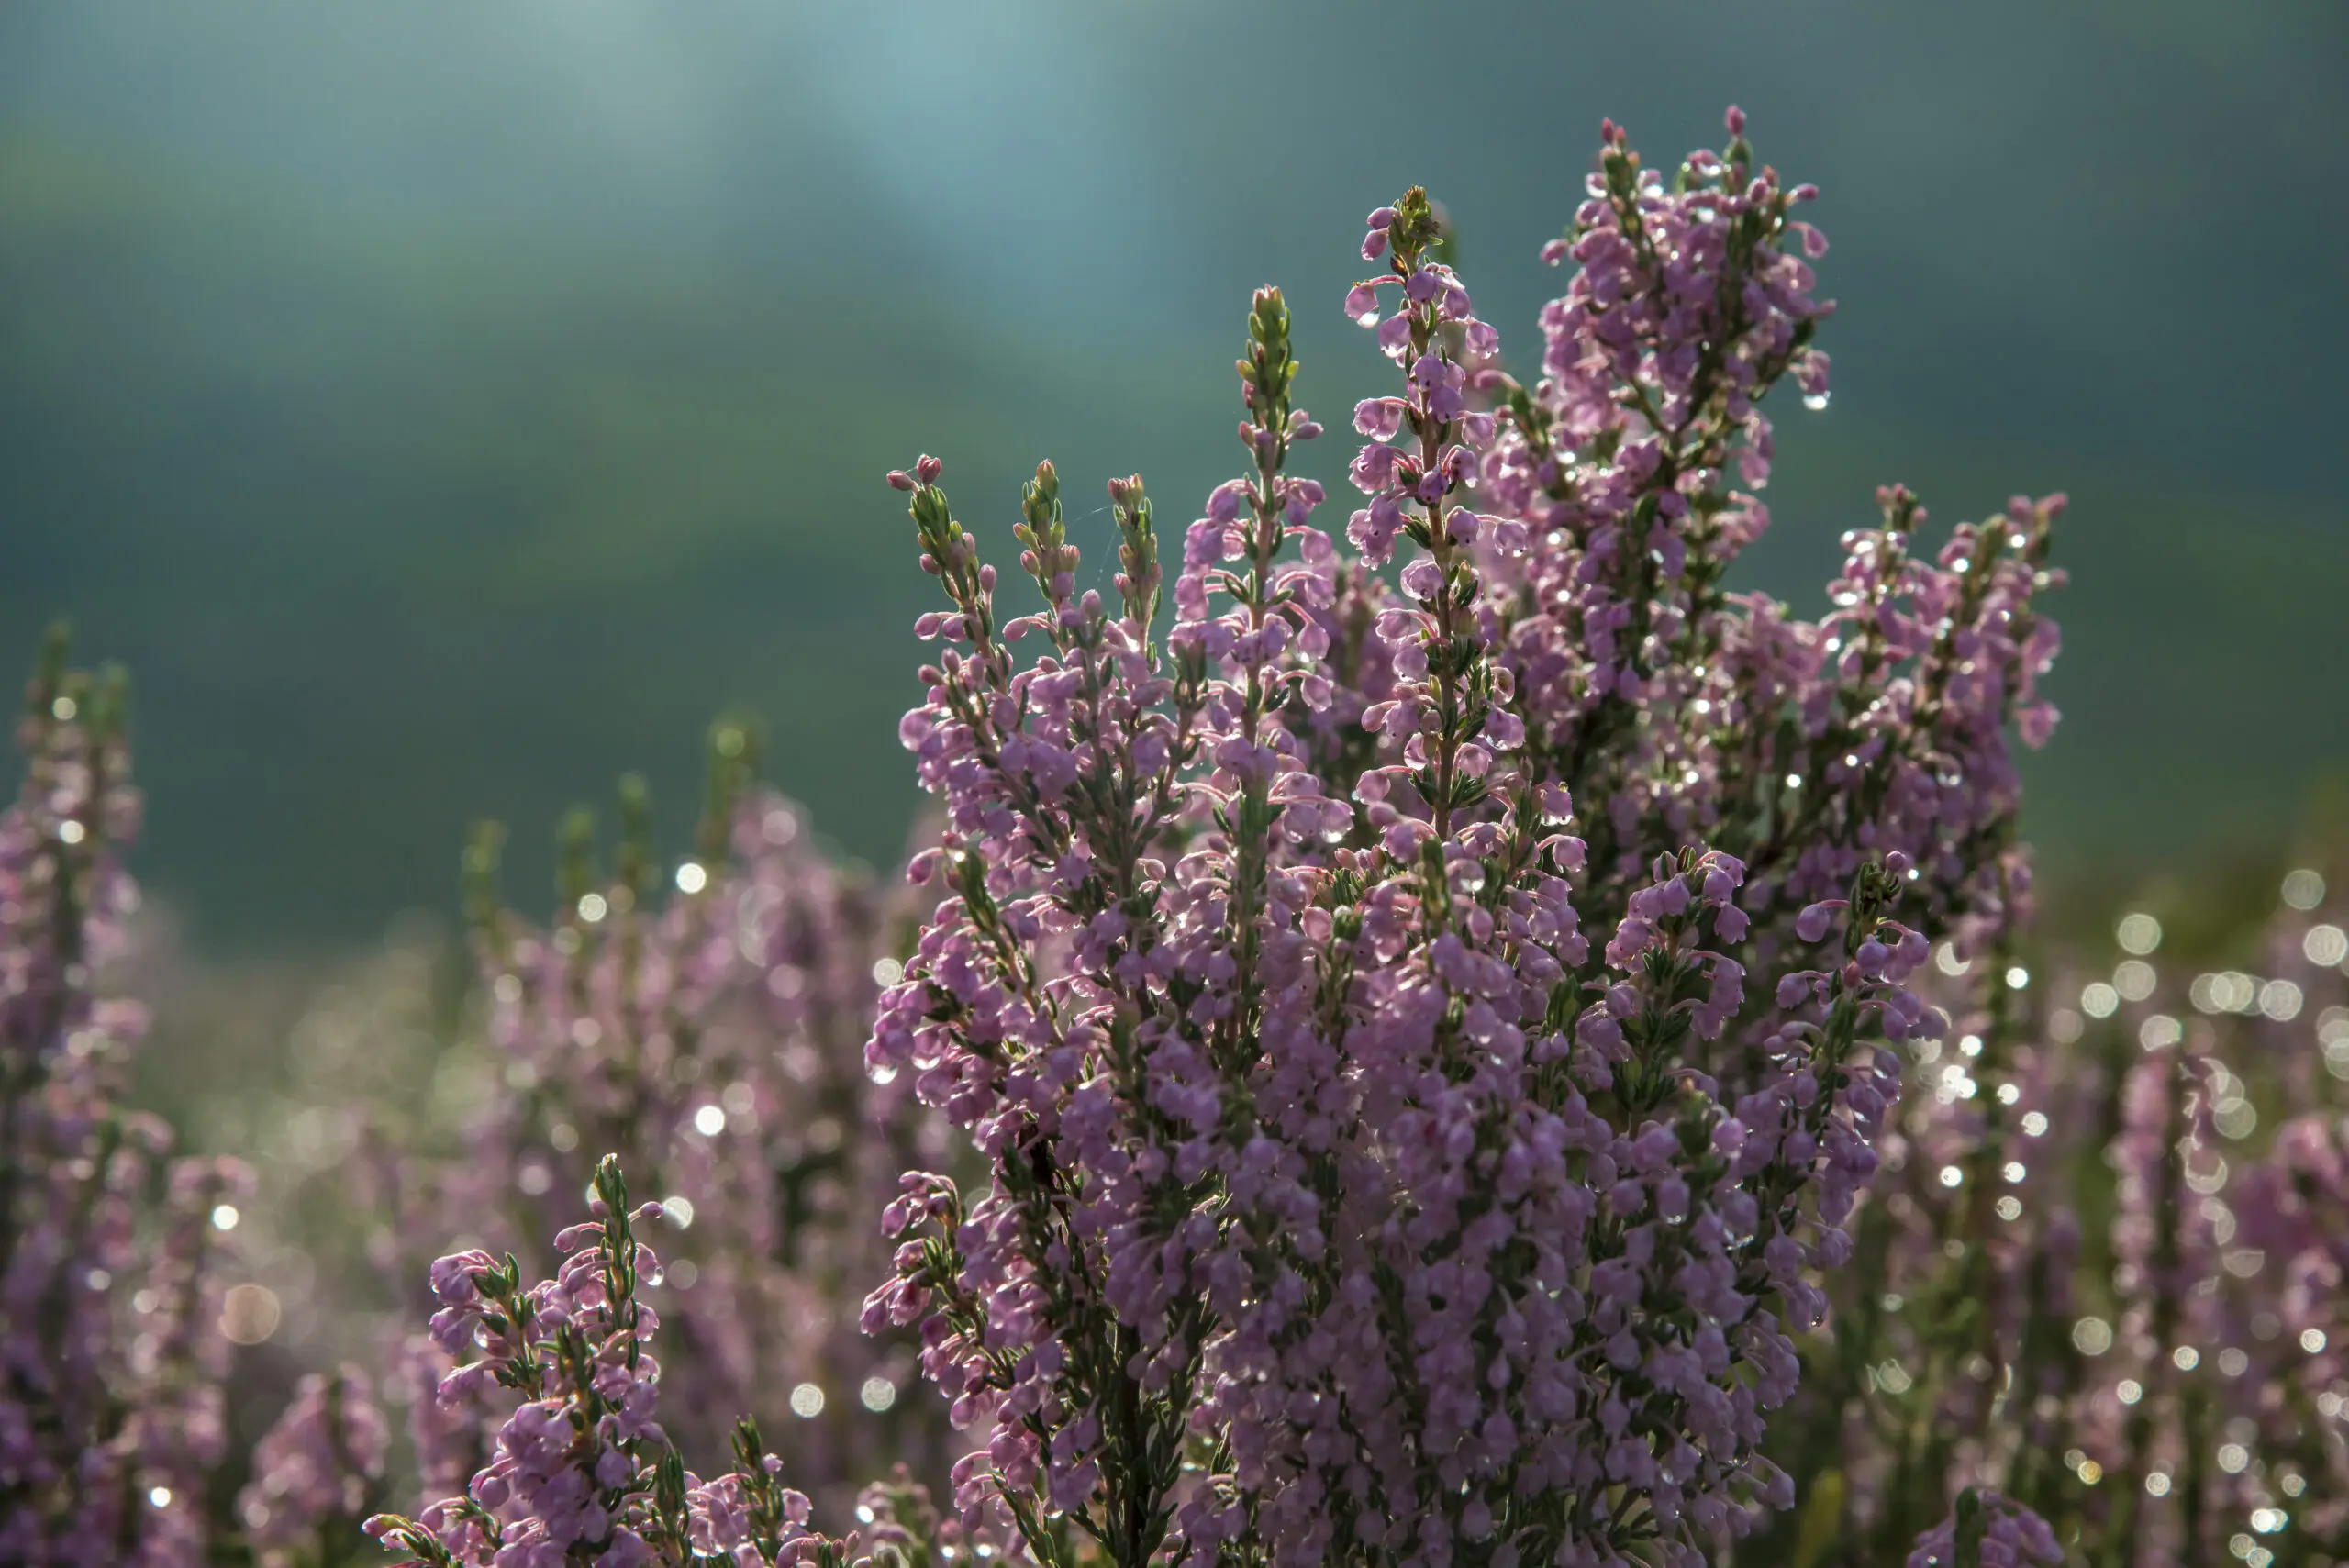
(1311, 1118)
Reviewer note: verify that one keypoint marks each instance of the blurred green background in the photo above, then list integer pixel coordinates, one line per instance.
(445, 407)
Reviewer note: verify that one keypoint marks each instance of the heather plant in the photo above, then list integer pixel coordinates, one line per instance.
(581, 1470)
(1989, 1531)
(318, 1473)
(110, 1250)
(2090, 1279)
(1428, 1032)
(119, 1324)
(704, 1022)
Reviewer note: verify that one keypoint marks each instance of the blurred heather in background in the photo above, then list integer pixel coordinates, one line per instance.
(444, 409)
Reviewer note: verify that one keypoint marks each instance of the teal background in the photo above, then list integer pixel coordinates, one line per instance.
(444, 409)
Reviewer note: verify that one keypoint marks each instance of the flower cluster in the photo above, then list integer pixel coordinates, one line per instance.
(1344, 1198)
(1986, 1530)
(316, 1474)
(110, 1363)
(582, 1472)
(1804, 748)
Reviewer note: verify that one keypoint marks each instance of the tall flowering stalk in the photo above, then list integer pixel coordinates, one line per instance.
(110, 1359)
(1343, 1198)
(582, 1471)
(317, 1474)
